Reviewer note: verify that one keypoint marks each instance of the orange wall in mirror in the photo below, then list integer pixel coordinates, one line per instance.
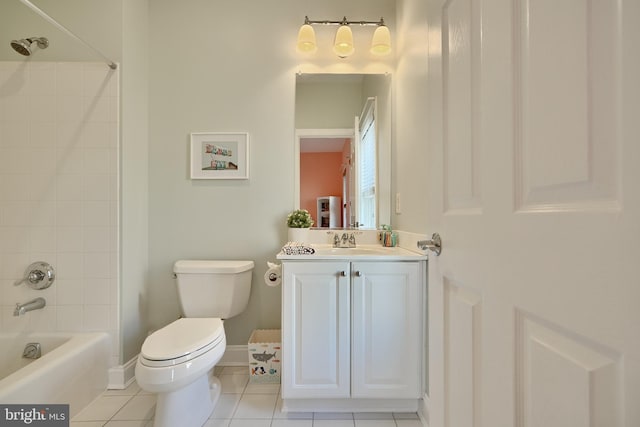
(320, 175)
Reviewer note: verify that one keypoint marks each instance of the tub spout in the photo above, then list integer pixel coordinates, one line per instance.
(34, 304)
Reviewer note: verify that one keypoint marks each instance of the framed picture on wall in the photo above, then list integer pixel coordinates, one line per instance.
(219, 155)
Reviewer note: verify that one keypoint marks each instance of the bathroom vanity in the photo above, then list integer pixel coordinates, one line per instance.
(352, 329)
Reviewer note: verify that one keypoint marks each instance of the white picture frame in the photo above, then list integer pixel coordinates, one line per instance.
(219, 155)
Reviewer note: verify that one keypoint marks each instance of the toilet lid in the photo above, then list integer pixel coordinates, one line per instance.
(183, 339)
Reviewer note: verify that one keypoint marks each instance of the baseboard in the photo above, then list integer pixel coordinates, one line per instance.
(235, 355)
(122, 375)
(423, 410)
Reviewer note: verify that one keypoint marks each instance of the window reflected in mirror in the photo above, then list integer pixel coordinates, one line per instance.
(343, 139)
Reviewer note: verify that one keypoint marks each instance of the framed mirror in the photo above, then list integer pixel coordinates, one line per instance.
(343, 149)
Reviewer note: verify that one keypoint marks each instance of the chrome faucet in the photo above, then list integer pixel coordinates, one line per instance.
(34, 304)
(347, 240)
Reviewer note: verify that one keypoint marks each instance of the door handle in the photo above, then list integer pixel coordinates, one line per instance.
(435, 244)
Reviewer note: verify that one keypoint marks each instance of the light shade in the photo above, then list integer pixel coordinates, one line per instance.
(343, 44)
(306, 40)
(381, 41)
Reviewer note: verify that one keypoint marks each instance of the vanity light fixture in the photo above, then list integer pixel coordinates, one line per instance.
(306, 38)
(343, 42)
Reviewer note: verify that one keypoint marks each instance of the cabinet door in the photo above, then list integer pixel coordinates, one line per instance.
(315, 330)
(386, 329)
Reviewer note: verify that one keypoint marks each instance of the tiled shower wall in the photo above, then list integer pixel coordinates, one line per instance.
(59, 194)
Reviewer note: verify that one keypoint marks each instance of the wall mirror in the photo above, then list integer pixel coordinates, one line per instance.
(343, 149)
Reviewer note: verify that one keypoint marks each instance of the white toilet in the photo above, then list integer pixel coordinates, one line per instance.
(175, 361)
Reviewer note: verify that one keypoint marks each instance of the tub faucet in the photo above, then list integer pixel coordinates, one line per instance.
(34, 304)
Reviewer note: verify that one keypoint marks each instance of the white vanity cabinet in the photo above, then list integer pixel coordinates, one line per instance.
(352, 334)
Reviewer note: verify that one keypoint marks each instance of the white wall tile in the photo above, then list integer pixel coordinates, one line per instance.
(70, 239)
(69, 213)
(95, 318)
(42, 134)
(42, 78)
(58, 193)
(40, 186)
(99, 135)
(71, 265)
(12, 134)
(96, 291)
(69, 79)
(70, 187)
(96, 265)
(96, 187)
(15, 239)
(42, 107)
(70, 160)
(97, 213)
(17, 214)
(96, 160)
(69, 318)
(96, 239)
(69, 109)
(68, 135)
(16, 107)
(15, 160)
(43, 239)
(69, 291)
(12, 187)
(43, 319)
(11, 323)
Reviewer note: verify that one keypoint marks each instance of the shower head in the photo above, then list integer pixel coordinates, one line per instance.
(23, 46)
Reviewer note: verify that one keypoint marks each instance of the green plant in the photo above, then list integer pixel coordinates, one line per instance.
(300, 218)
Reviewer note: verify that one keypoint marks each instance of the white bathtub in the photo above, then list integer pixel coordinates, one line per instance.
(73, 368)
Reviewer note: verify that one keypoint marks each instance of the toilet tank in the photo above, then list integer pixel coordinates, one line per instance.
(208, 288)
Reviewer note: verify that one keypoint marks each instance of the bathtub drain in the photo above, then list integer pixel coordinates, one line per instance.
(32, 351)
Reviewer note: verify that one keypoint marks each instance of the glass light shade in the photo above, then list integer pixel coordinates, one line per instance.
(343, 44)
(306, 40)
(381, 41)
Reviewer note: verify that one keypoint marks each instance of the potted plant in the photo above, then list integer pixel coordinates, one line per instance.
(299, 221)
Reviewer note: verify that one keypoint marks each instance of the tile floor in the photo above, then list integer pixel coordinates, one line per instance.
(241, 405)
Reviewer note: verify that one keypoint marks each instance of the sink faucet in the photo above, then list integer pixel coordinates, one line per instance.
(347, 240)
(34, 304)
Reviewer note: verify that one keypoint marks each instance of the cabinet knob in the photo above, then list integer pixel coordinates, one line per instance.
(343, 273)
(358, 273)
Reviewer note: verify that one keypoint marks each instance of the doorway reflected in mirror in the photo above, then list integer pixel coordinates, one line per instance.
(333, 112)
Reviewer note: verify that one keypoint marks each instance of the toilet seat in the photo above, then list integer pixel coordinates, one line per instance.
(181, 341)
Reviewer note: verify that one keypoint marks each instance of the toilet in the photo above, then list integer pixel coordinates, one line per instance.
(176, 361)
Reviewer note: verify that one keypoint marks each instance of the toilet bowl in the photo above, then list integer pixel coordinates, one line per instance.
(176, 361)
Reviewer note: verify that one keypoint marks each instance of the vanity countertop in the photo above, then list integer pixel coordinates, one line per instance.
(359, 253)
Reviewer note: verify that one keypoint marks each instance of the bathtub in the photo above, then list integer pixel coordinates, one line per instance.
(73, 368)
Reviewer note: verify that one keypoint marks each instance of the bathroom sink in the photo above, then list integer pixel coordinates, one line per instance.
(359, 252)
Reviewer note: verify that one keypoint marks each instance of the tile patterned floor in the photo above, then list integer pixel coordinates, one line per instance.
(241, 405)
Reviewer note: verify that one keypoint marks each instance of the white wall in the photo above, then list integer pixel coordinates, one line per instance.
(409, 171)
(327, 104)
(134, 178)
(230, 66)
(199, 81)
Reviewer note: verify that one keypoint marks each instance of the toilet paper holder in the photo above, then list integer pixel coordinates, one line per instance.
(273, 275)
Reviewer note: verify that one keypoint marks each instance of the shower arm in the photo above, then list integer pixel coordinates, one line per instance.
(64, 29)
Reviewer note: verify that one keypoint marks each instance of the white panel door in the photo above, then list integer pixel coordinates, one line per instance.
(386, 329)
(316, 327)
(535, 189)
